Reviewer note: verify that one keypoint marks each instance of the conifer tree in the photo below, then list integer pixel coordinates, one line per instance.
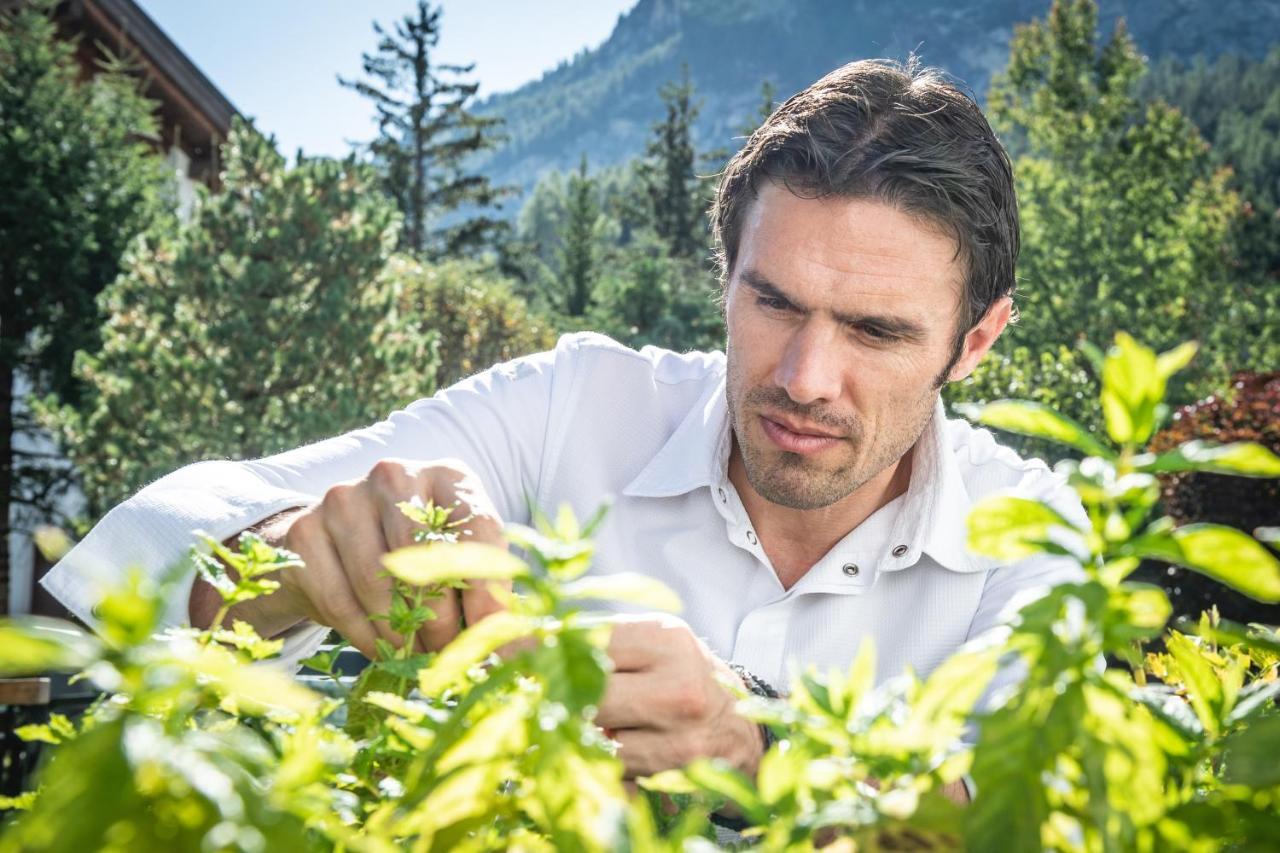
(1126, 224)
(266, 322)
(426, 135)
(78, 181)
(676, 200)
(578, 252)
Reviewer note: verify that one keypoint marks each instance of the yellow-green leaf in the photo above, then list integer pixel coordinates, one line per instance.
(1035, 419)
(443, 562)
(471, 647)
(1232, 557)
(1010, 528)
(249, 689)
(628, 587)
(1241, 458)
(33, 645)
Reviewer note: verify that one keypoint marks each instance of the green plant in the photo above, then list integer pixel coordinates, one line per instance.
(261, 324)
(1249, 410)
(490, 744)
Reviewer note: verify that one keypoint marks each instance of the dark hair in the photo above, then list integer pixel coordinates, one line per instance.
(901, 134)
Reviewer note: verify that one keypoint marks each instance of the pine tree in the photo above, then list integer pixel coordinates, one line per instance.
(579, 250)
(77, 182)
(426, 134)
(675, 196)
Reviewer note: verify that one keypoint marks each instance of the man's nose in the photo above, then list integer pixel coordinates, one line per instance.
(809, 370)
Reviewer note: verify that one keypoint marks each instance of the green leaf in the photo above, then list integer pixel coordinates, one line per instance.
(668, 782)
(628, 587)
(1136, 612)
(1256, 697)
(1038, 420)
(1223, 553)
(472, 647)
(325, 659)
(37, 644)
(951, 690)
(1242, 458)
(443, 562)
(1171, 709)
(718, 777)
(1250, 755)
(243, 637)
(577, 675)
(246, 689)
(57, 730)
(1227, 633)
(1011, 528)
(1133, 386)
(1169, 363)
(566, 526)
(1204, 690)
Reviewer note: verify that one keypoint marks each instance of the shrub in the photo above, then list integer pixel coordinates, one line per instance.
(1249, 411)
(466, 749)
(472, 312)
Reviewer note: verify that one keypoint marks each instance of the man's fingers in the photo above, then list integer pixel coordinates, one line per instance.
(628, 702)
(356, 531)
(435, 633)
(645, 752)
(636, 640)
(478, 600)
(332, 600)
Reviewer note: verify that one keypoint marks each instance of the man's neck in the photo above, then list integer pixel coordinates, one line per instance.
(796, 539)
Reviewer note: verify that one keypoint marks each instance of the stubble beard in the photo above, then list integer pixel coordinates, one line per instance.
(796, 482)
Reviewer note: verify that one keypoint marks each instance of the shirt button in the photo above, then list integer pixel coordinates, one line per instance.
(751, 537)
(850, 569)
(900, 550)
(724, 499)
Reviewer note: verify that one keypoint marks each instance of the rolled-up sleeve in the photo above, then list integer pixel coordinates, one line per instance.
(495, 422)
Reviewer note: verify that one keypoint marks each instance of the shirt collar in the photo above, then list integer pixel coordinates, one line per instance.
(696, 454)
(932, 518)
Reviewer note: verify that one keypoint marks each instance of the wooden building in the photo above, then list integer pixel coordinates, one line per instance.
(194, 120)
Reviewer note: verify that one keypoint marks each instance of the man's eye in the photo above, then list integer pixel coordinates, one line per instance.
(876, 333)
(773, 303)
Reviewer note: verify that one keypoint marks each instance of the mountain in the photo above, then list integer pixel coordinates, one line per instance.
(603, 101)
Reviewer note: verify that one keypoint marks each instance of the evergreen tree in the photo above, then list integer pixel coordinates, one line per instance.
(1236, 104)
(266, 322)
(1126, 223)
(77, 182)
(579, 251)
(675, 196)
(426, 134)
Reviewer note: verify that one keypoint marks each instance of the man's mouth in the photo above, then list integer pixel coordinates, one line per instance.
(798, 438)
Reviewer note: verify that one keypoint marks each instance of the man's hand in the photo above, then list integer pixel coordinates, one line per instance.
(341, 541)
(664, 703)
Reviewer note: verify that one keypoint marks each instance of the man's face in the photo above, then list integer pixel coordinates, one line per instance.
(841, 317)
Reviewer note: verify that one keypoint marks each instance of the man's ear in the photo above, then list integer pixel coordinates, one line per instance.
(980, 338)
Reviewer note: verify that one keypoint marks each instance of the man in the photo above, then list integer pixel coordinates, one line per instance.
(802, 492)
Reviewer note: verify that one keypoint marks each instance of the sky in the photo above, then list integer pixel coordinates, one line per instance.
(277, 60)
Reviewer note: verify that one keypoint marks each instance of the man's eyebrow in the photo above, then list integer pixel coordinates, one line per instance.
(899, 326)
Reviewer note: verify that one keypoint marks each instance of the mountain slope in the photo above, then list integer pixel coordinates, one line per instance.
(603, 101)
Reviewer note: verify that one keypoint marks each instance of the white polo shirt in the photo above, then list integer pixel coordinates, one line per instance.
(592, 419)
